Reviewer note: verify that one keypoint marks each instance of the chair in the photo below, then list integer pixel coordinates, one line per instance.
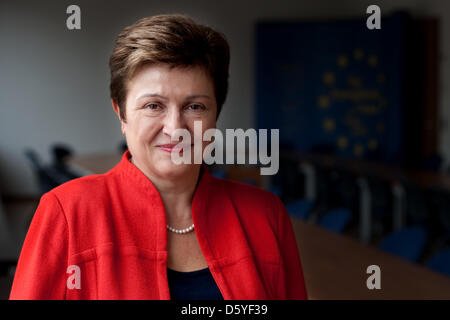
(61, 153)
(275, 190)
(440, 262)
(44, 178)
(249, 181)
(381, 203)
(219, 173)
(49, 176)
(300, 208)
(336, 220)
(407, 243)
(344, 190)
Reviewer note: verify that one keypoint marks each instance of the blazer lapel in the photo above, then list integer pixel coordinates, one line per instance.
(223, 241)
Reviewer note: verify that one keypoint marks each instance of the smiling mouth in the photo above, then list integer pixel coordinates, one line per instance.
(172, 147)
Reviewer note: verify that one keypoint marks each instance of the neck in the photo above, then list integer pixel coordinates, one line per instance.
(176, 194)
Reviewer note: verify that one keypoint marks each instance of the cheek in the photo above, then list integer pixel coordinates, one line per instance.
(145, 129)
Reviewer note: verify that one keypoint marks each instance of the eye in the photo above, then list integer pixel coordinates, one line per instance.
(196, 107)
(152, 106)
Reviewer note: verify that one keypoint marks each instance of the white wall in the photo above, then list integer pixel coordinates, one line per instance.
(54, 82)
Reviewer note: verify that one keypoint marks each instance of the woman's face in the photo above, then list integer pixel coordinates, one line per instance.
(159, 101)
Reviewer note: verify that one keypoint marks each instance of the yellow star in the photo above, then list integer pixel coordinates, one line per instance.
(372, 144)
(323, 101)
(358, 54)
(373, 60)
(342, 61)
(354, 81)
(329, 124)
(329, 78)
(342, 142)
(358, 149)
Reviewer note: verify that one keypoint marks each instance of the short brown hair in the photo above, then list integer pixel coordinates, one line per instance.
(173, 39)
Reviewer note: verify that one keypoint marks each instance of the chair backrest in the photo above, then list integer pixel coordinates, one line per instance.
(34, 159)
(417, 207)
(408, 243)
(440, 262)
(345, 190)
(336, 219)
(45, 180)
(381, 195)
(300, 208)
(60, 152)
(51, 176)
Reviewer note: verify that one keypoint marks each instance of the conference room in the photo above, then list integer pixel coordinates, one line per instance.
(327, 163)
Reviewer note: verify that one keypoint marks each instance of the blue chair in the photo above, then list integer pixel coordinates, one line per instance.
(219, 173)
(249, 181)
(336, 220)
(300, 208)
(275, 190)
(408, 243)
(440, 262)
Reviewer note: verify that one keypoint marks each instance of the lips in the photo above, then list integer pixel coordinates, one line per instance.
(167, 146)
(172, 147)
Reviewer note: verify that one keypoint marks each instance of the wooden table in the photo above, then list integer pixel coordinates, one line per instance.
(335, 268)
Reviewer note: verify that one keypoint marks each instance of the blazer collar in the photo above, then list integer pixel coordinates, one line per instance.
(134, 179)
(218, 228)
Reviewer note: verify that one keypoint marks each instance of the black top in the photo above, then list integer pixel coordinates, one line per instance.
(193, 285)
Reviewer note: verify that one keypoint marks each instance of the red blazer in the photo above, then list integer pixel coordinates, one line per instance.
(113, 227)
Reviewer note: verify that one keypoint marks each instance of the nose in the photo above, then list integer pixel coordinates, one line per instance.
(173, 120)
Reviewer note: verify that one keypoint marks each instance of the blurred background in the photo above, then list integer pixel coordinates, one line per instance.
(363, 114)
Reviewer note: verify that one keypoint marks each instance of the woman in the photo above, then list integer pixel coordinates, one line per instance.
(149, 228)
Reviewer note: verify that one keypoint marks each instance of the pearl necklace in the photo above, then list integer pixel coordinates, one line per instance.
(181, 231)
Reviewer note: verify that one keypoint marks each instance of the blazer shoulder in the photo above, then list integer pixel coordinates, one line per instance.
(88, 186)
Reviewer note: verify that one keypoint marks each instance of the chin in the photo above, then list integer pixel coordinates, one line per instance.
(169, 170)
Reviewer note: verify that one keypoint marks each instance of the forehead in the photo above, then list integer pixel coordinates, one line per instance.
(164, 80)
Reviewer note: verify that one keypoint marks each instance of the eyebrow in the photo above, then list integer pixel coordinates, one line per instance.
(155, 95)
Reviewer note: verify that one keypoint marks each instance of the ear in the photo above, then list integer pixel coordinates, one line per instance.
(116, 109)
